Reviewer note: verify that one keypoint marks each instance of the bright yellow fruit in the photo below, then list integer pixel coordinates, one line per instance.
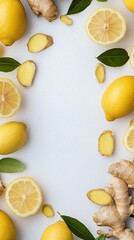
(57, 231)
(129, 4)
(106, 26)
(128, 139)
(7, 228)
(118, 99)
(12, 21)
(12, 137)
(10, 98)
(23, 197)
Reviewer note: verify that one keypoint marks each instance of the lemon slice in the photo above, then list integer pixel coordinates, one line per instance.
(10, 98)
(128, 139)
(23, 197)
(132, 57)
(106, 26)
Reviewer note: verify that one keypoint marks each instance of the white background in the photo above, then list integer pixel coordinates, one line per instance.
(64, 118)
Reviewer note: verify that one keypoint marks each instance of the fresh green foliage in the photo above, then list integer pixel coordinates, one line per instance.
(78, 6)
(101, 237)
(11, 165)
(8, 64)
(78, 228)
(115, 57)
(102, 0)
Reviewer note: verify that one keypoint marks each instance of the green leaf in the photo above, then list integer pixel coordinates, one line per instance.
(8, 64)
(78, 6)
(115, 57)
(11, 165)
(78, 228)
(101, 237)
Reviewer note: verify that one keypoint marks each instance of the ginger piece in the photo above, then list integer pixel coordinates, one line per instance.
(1, 187)
(100, 73)
(100, 197)
(26, 72)
(47, 8)
(48, 210)
(106, 143)
(116, 214)
(39, 42)
(66, 20)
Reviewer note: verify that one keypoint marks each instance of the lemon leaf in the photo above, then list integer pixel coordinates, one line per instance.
(115, 57)
(78, 6)
(8, 64)
(78, 228)
(11, 165)
(101, 237)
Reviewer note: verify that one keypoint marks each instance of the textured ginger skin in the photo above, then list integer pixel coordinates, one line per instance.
(1, 187)
(47, 8)
(116, 214)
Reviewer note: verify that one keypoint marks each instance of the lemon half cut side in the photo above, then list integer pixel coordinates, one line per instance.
(106, 26)
(128, 139)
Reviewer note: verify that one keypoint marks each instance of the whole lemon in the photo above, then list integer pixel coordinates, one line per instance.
(12, 137)
(129, 4)
(7, 228)
(118, 99)
(12, 21)
(57, 231)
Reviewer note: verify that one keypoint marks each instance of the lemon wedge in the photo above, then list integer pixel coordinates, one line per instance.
(128, 139)
(10, 98)
(106, 26)
(23, 197)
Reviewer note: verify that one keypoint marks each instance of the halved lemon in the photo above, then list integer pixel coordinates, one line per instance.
(10, 98)
(106, 26)
(128, 139)
(132, 57)
(23, 197)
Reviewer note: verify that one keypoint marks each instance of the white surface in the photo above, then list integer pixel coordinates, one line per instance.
(64, 118)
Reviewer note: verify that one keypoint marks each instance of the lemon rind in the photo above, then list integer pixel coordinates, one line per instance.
(125, 139)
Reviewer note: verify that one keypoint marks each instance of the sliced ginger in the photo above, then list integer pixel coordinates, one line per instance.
(100, 73)
(1, 187)
(39, 42)
(66, 20)
(106, 143)
(100, 197)
(48, 210)
(26, 72)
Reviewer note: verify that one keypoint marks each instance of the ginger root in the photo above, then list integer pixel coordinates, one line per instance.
(39, 42)
(26, 72)
(47, 8)
(106, 143)
(66, 20)
(100, 197)
(116, 214)
(48, 210)
(100, 73)
(1, 187)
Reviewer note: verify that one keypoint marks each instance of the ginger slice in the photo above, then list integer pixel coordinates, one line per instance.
(48, 210)
(100, 197)
(106, 143)
(100, 73)
(26, 72)
(2, 187)
(66, 20)
(39, 42)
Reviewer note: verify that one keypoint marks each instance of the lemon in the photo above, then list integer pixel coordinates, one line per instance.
(132, 57)
(128, 139)
(23, 197)
(10, 98)
(57, 231)
(118, 99)
(7, 228)
(106, 26)
(129, 4)
(12, 137)
(12, 21)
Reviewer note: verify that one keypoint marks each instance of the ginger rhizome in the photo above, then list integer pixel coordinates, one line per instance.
(47, 8)
(116, 214)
